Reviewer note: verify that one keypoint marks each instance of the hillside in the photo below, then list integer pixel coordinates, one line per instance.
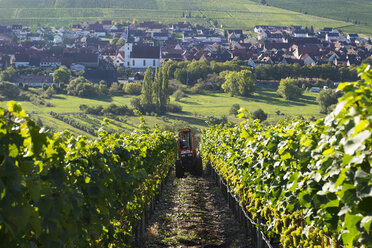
(231, 14)
(343, 10)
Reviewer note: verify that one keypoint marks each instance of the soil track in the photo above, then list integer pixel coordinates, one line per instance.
(192, 212)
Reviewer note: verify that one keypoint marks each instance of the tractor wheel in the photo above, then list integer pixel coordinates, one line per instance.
(179, 169)
(198, 168)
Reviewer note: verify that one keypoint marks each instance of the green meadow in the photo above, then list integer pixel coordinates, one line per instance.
(197, 109)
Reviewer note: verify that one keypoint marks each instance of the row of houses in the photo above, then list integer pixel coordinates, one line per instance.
(150, 44)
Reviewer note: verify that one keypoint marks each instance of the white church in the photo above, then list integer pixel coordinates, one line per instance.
(141, 56)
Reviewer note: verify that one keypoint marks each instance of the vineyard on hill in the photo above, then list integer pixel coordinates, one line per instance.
(59, 190)
(307, 184)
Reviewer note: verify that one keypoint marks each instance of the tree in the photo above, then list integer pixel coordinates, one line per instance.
(81, 87)
(156, 88)
(7, 74)
(120, 71)
(61, 75)
(239, 83)
(146, 91)
(181, 75)
(9, 90)
(259, 114)
(326, 99)
(234, 109)
(115, 90)
(164, 95)
(288, 89)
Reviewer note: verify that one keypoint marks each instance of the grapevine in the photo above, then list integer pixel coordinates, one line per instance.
(310, 183)
(61, 190)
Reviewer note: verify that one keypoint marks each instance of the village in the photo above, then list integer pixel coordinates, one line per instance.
(99, 50)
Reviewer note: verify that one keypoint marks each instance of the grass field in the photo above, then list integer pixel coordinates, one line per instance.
(196, 110)
(242, 14)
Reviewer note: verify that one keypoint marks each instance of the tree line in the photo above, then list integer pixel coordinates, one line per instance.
(190, 72)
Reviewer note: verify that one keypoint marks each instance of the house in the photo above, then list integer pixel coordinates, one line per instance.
(114, 29)
(277, 36)
(51, 61)
(251, 63)
(22, 34)
(106, 24)
(21, 60)
(119, 59)
(77, 67)
(97, 75)
(182, 26)
(160, 36)
(57, 39)
(33, 80)
(307, 59)
(100, 33)
(34, 37)
(300, 33)
(95, 26)
(352, 36)
(76, 27)
(90, 60)
(17, 27)
(262, 35)
(150, 27)
(332, 36)
(139, 56)
(300, 50)
(328, 30)
(259, 29)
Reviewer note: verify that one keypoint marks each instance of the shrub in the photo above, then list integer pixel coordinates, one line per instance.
(216, 120)
(174, 85)
(49, 93)
(178, 95)
(135, 102)
(259, 114)
(115, 90)
(174, 108)
(132, 88)
(9, 90)
(234, 109)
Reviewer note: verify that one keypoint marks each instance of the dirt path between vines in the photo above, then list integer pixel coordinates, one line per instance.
(192, 212)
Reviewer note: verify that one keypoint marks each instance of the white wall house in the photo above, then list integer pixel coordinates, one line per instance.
(141, 57)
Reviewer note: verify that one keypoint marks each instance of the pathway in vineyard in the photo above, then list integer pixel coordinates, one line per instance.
(192, 212)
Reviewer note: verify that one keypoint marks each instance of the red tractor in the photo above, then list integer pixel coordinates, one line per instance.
(187, 158)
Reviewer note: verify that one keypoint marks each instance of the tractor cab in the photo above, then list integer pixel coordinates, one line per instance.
(187, 159)
(186, 145)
